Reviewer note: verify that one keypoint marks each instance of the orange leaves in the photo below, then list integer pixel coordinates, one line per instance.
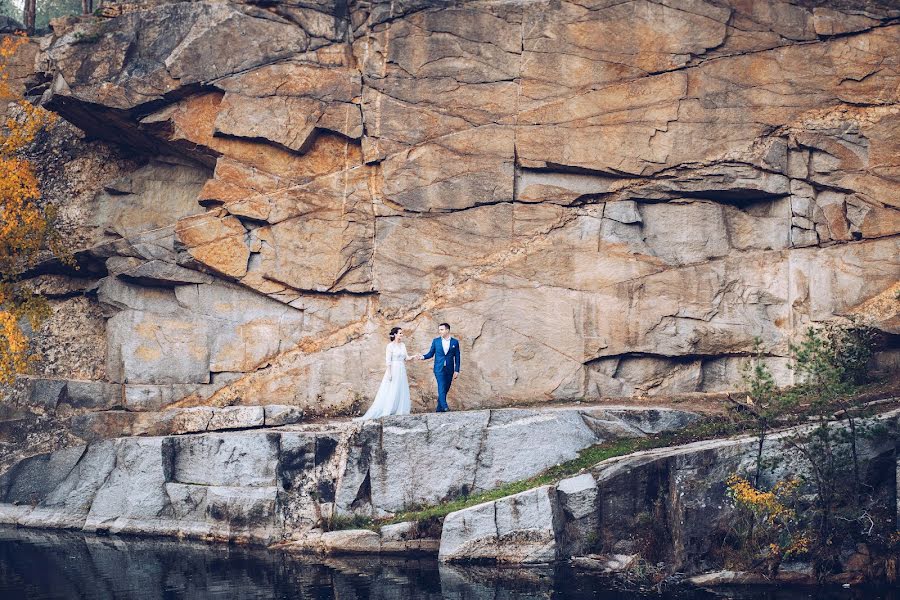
(14, 355)
(25, 226)
(766, 523)
(769, 505)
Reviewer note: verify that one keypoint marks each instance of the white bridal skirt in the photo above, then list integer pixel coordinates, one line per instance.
(393, 394)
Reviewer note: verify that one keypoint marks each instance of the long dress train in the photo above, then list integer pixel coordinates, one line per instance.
(393, 394)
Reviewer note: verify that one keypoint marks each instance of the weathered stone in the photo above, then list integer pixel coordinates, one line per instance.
(328, 227)
(102, 425)
(481, 451)
(156, 272)
(285, 121)
(46, 392)
(398, 531)
(623, 212)
(388, 448)
(247, 459)
(149, 347)
(277, 414)
(578, 502)
(578, 495)
(517, 529)
(92, 395)
(466, 169)
(153, 397)
(803, 236)
(174, 421)
(554, 437)
(64, 503)
(215, 240)
(351, 541)
(305, 97)
(236, 417)
(171, 55)
(150, 198)
(32, 479)
(828, 21)
(133, 498)
(116, 294)
(242, 512)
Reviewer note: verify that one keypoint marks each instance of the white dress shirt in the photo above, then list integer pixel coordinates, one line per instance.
(446, 345)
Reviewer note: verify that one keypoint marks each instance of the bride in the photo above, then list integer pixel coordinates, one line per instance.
(393, 395)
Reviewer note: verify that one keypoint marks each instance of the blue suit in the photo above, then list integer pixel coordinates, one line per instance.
(444, 367)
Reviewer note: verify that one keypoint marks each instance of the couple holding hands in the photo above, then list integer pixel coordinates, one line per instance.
(393, 394)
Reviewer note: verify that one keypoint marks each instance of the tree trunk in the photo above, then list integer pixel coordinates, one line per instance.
(29, 15)
(85, 7)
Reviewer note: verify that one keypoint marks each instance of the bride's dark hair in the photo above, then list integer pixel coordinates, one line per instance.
(394, 331)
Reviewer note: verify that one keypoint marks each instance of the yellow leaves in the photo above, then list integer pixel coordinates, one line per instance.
(17, 307)
(770, 518)
(11, 44)
(766, 504)
(14, 357)
(25, 226)
(799, 545)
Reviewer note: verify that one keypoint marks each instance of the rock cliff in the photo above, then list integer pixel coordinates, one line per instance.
(605, 199)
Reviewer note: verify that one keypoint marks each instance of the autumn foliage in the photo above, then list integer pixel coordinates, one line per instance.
(26, 231)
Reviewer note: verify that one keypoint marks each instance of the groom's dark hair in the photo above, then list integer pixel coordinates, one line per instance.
(447, 325)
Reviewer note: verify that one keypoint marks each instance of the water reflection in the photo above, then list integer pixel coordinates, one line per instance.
(42, 565)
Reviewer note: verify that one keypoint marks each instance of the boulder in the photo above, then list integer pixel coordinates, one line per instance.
(578, 501)
(518, 529)
(578, 495)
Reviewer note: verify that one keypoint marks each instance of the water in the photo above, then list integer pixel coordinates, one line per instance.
(43, 565)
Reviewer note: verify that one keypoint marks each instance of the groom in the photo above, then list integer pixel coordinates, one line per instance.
(445, 351)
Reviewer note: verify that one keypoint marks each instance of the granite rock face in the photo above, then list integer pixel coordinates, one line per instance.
(668, 504)
(280, 484)
(605, 200)
(517, 529)
(425, 459)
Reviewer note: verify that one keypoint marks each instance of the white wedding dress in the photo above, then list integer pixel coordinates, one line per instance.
(393, 395)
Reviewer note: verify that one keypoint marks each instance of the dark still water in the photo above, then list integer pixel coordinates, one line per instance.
(43, 565)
